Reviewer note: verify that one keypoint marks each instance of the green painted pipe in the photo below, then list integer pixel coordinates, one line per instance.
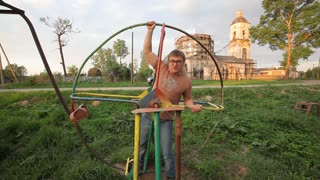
(157, 145)
(144, 24)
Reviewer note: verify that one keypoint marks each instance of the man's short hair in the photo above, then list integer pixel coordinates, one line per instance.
(177, 52)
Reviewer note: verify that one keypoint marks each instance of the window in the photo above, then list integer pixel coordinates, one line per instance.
(244, 53)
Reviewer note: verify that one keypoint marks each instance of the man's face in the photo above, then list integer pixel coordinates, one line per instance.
(175, 64)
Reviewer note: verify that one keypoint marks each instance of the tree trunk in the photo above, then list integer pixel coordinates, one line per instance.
(289, 50)
(62, 57)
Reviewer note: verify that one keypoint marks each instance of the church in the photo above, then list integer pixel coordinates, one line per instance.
(236, 65)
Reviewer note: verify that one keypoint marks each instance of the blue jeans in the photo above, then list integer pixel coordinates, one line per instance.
(166, 133)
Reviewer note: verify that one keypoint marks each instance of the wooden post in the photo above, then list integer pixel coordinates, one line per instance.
(132, 58)
(178, 144)
(1, 73)
(5, 55)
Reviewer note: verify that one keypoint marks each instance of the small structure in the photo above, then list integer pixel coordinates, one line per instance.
(307, 107)
(269, 74)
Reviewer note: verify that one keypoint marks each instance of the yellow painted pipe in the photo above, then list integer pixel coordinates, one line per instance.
(136, 146)
(110, 95)
(211, 107)
(140, 96)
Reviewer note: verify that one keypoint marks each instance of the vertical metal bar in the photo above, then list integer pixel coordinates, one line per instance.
(157, 145)
(136, 146)
(178, 144)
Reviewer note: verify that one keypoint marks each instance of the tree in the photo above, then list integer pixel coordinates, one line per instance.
(104, 60)
(94, 72)
(290, 26)
(72, 70)
(19, 71)
(61, 27)
(135, 65)
(144, 71)
(120, 49)
(312, 73)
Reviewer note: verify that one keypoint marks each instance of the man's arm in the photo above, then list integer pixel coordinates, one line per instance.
(189, 102)
(147, 46)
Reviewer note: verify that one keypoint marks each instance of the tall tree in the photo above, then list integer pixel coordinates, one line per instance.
(120, 49)
(144, 71)
(94, 72)
(62, 27)
(291, 26)
(104, 60)
(19, 71)
(72, 70)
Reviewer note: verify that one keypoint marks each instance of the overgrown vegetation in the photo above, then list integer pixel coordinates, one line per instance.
(260, 136)
(43, 81)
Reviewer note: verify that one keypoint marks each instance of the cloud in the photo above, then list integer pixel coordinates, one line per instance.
(188, 6)
(97, 20)
(81, 6)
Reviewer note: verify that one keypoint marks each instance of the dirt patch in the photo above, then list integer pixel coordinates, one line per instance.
(186, 173)
(24, 102)
(238, 171)
(244, 149)
(313, 89)
(242, 171)
(283, 91)
(206, 98)
(311, 82)
(96, 103)
(259, 95)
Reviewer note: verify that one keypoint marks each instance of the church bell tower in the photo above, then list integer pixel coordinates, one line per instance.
(239, 45)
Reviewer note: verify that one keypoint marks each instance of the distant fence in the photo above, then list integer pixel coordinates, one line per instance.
(82, 79)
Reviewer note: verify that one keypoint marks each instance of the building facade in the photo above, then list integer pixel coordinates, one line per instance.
(198, 62)
(236, 65)
(239, 44)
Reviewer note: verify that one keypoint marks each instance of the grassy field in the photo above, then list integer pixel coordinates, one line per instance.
(47, 84)
(259, 136)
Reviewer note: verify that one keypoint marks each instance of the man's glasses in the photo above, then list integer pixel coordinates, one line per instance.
(178, 62)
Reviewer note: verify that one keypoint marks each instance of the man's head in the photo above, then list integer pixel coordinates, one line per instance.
(176, 60)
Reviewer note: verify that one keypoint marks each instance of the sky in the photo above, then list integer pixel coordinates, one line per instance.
(97, 20)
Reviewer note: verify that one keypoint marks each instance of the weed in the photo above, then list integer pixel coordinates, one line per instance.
(260, 136)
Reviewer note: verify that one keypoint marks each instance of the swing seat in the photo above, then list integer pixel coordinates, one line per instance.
(80, 113)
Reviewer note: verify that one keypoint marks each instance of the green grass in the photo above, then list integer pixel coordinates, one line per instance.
(48, 84)
(260, 136)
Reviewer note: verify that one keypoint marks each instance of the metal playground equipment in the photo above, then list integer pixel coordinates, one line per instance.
(152, 100)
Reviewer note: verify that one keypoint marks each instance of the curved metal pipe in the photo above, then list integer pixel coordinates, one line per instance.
(144, 24)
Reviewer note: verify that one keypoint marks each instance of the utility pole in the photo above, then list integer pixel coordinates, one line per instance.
(5, 55)
(1, 73)
(132, 57)
(318, 74)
